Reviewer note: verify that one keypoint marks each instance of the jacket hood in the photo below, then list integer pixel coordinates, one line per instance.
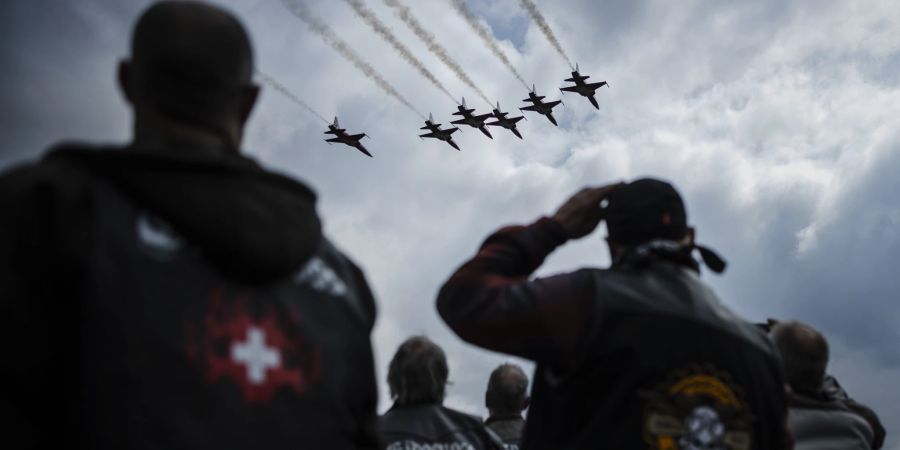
(253, 225)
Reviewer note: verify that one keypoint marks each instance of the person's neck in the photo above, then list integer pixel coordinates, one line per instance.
(500, 416)
(156, 132)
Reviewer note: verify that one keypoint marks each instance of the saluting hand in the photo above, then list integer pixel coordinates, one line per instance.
(581, 213)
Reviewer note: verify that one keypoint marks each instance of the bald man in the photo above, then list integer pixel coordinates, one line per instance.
(506, 398)
(822, 416)
(172, 293)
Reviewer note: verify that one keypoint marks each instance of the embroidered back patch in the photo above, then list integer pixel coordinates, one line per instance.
(697, 408)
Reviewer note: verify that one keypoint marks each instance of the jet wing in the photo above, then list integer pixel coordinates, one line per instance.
(363, 149)
(338, 140)
(553, 103)
(595, 85)
(429, 135)
(530, 108)
(569, 89)
(460, 122)
(515, 119)
(356, 137)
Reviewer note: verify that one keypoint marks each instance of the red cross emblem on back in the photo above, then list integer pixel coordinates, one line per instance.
(262, 354)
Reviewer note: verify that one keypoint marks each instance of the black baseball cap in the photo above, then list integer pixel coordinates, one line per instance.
(645, 210)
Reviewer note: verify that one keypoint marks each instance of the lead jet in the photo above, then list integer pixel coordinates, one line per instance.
(341, 137)
(538, 105)
(470, 119)
(585, 89)
(506, 122)
(435, 131)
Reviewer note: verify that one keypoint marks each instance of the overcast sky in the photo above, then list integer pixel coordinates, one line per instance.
(778, 120)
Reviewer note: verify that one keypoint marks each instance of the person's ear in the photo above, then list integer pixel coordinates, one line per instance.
(249, 95)
(123, 75)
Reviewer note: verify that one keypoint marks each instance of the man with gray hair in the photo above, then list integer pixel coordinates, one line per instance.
(506, 397)
(417, 377)
(822, 416)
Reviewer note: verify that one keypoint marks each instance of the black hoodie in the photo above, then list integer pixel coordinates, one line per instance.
(177, 299)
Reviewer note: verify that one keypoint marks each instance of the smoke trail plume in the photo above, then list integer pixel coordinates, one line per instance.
(486, 36)
(331, 38)
(287, 93)
(382, 30)
(437, 49)
(545, 28)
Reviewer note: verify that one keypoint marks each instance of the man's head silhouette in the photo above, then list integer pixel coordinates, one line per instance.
(189, 76)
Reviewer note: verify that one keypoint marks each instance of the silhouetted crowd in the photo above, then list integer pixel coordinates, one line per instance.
(173, 293)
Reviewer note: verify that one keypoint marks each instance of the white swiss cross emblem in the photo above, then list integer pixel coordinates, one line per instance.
(262, 353)
(255, 355)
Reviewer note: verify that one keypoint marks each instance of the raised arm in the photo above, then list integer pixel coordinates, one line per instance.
(490, 302)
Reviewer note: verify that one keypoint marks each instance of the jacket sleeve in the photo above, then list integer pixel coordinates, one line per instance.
(490, 302)
(38, 234)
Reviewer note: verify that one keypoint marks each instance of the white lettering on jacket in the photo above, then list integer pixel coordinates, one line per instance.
(322, 278)
(412, 445)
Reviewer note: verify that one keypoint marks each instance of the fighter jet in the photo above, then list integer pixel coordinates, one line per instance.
(585, 89)
(539, 106)
(506, 122)
(342, 137)
(435, 131)
(472, 120)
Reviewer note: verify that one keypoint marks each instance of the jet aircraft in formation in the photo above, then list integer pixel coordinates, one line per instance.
(471, 119)
(540, 106)
(506, 122)
(585, 89)
(341, 137)
(435, 131)
(480, 121)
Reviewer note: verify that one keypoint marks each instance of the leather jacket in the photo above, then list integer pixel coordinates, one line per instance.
(434, 427)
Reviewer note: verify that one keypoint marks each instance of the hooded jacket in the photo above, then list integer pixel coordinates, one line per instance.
(639, 356)
(827, 420)
(171, 298)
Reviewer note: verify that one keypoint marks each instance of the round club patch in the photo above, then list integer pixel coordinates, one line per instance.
(698, 408)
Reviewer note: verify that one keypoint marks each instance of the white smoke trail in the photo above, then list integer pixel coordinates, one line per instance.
(545, 28)
(382, 30)
(331, 38)
(429, 40)
(287, 93)
(486, 36)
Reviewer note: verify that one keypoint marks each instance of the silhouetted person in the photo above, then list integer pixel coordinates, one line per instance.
(172, 293)
(822, 416)
(417, 377)
(640, 355)
(506, 397)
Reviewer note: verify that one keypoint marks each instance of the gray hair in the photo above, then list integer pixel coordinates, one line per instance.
(418, 373)
(507, 391)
